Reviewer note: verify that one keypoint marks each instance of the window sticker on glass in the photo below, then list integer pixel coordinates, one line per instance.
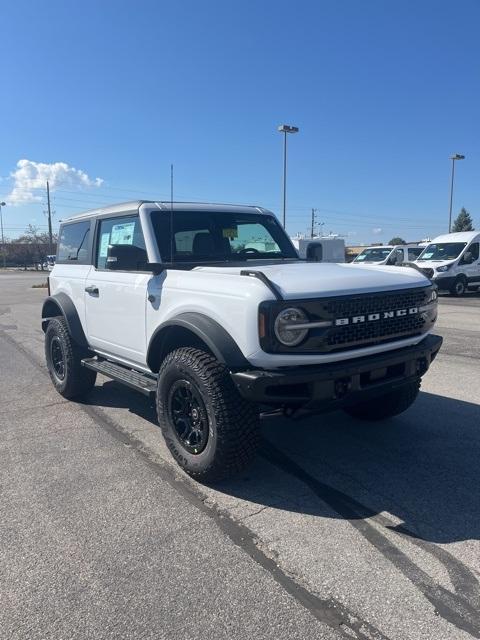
(428, 255)
(122, 233)
(231, 233)
(359, 258)
(104, 242)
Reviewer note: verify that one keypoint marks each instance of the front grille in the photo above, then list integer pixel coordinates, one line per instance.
(373, 303)
(351, 327)
(361, 332)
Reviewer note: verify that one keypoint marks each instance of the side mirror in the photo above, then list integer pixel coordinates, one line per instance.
(467, 257)
(126, 257)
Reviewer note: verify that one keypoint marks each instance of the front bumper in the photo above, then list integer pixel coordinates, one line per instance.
(334, 385)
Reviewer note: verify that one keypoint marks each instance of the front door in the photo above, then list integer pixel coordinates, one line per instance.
(116, 290)
(472, 269)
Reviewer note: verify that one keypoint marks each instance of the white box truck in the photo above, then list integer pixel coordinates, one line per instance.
(321, 249)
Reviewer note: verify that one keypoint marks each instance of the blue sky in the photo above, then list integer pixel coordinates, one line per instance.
(383, 92)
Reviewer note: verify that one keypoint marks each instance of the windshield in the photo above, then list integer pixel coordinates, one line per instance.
(443, 251)
(218, 237)
(374, 254)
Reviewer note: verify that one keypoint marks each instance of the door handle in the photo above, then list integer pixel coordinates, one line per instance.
(92, 289)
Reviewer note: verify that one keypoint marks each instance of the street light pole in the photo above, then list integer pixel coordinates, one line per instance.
(285, 128)
(457, 156)
(2, 204)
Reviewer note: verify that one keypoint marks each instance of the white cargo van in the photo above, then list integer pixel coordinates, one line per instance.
(452, 261)
(389, 254)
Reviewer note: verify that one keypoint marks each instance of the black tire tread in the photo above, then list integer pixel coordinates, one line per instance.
(79, 380)
(387, 406)
(237, 420)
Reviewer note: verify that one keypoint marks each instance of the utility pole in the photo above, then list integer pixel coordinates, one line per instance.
(457, 156)
(50, 235)
(312, 232)
(2, 204)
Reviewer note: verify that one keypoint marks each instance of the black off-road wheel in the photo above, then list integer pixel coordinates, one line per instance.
(459, 286)
(387, 406)
(63, 356)
(211, 431)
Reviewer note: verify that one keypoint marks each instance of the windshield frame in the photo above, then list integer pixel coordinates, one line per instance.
(462, 246)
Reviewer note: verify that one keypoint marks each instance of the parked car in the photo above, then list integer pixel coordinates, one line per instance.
(50, 262)
(389, 254)
(452, 261)
(170, 300)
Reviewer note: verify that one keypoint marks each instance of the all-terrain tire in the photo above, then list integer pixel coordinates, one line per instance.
(232, 423)
(459, 287)
(388, 405)
(63, 357)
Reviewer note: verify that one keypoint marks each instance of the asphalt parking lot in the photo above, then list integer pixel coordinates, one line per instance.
(340, 529)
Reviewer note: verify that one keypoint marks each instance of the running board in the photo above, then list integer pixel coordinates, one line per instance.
(134, 379)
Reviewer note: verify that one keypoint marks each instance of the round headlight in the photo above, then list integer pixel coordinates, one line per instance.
(285, 329)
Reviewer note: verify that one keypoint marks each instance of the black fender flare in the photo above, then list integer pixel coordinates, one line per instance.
(61, 305)
(212, 334)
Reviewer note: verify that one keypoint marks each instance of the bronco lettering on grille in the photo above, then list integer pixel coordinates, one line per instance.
(371, 317)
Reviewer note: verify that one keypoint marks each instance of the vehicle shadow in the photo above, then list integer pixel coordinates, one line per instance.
(422, 467)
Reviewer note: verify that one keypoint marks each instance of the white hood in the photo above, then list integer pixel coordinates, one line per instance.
(314, 279)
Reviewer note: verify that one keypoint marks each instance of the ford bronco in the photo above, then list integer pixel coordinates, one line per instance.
(209, 310)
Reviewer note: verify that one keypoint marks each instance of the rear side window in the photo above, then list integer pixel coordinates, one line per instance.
(74, 243)
(414, 252)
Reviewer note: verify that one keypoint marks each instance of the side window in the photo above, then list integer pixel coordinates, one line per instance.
(474, 250)
(414, 252)
(120, 245)
(73, 244)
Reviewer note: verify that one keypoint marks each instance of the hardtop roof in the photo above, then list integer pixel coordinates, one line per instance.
(134, 205)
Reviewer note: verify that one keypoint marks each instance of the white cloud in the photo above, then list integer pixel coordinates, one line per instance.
(30, 176)
(377, 231)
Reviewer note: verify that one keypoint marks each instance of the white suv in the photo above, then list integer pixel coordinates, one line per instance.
(174, 300)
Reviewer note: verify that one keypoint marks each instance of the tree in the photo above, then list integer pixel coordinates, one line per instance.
(31, 248)
(463, 222)
(397, 240)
